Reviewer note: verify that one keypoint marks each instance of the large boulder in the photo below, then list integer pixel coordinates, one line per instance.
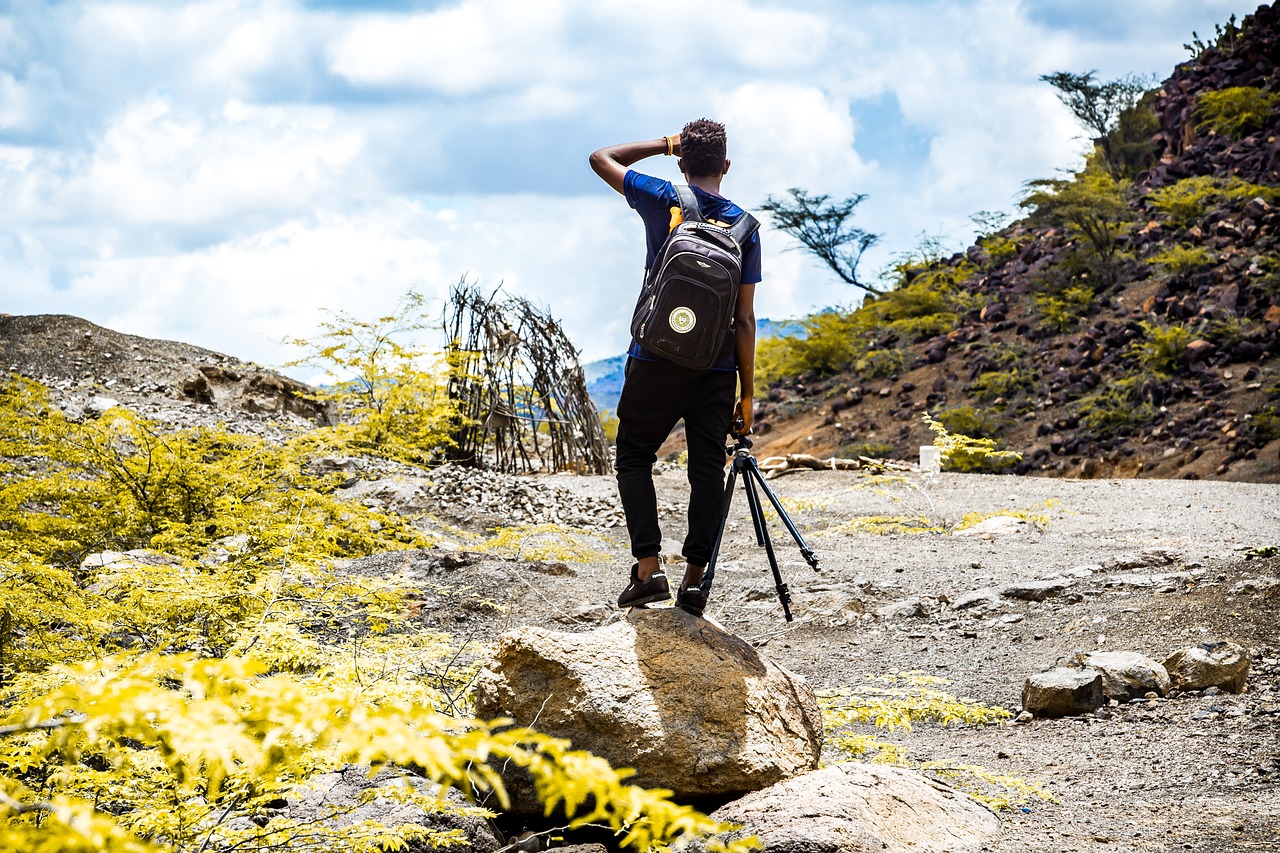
(1063, 692)
(1222, 665)
(690, 706)
(859, 808)
(1125, 675)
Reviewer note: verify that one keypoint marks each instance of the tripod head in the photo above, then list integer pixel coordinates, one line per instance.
(741, 441)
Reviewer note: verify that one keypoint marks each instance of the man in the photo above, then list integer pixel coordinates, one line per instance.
(658, 393)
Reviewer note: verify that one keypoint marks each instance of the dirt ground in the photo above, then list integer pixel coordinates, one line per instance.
(1153, 566)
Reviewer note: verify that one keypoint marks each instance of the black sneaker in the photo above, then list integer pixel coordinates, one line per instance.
(691, 600)
(640, 592)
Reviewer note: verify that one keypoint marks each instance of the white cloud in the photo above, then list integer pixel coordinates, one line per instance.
(221, 170)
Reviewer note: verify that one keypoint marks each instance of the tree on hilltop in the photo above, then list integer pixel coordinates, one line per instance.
(822, 226)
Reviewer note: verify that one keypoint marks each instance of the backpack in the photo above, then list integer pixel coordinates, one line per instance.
(685, 310)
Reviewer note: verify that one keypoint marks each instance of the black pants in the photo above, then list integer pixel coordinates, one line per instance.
(655, 396)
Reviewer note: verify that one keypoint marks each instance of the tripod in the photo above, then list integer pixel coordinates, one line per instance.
(744, 464)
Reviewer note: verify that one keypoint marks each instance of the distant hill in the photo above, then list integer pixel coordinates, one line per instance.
(1148, 346)
(604, 376)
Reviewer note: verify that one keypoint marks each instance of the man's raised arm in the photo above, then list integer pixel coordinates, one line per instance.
(611, 163)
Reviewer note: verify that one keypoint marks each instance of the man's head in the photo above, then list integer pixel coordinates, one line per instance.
(703, 149)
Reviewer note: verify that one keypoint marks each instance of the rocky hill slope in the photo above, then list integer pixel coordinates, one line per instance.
(88, 366)
(1167, 364)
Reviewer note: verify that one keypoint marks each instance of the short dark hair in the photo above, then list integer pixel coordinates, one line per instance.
(703, 148)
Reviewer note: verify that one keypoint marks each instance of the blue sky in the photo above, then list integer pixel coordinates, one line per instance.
(223, 172)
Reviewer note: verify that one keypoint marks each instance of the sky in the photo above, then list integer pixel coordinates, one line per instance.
(229, 173)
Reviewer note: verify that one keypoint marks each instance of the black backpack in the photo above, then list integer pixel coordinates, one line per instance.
(685, 310)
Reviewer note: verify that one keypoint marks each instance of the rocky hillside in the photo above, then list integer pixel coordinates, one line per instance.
(1156, 354)
(90, 367)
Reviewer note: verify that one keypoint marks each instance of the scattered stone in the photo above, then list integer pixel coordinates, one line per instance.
(1125, 675)
(99, 406)
(1063, 692)
(1038, 590)
(1222, 665)
(997, 525)
(1252, 586)
(858, 807)
(984, 598)
(341, 799)
(905, 609)
(690, 706)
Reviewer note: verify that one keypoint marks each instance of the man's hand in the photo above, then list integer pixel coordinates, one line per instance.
(611, 163)
(743, 412)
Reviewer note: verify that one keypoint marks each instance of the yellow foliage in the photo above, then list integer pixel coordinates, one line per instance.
(225, 659)
(548, 543)
(897, 700)
(1037, 516)
(965, 454)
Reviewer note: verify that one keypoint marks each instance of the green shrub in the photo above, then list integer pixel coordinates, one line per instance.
(969, 455)
(1114, 409)
(1162, 349)
(870, 449)
(1000, 249)
(1092, 205)
(884, 363)
(1190, 198)
(1061, 313)
(971, 422)
(1177, 260)
(1235, 112)
(1264, 425)
(995, 384)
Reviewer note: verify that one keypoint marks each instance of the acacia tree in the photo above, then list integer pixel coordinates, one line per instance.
(822, 226)
(1099, 106)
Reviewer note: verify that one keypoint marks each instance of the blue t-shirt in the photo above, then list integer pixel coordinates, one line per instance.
(653, 199)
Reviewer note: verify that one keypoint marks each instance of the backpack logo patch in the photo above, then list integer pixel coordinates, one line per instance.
(682, 320)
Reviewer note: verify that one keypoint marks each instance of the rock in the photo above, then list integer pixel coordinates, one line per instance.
(1036, 590)
(335, 799)
(859, 808)
(1252, 586)
(1125, 675)
(904, 609)
(1224, 665)
(1063, 692)
(995, 526)
(690, 706)
(99, 406)
(984, 598)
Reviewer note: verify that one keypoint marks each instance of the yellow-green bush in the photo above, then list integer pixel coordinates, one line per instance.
(1178, 260)
(900, 700)
(1235, 112)
(1061, 313)
(1190, 198)
(1162, 348)
(971, 422)
(968, 455)
(995, 384)
(1116, 407)
(230, 661)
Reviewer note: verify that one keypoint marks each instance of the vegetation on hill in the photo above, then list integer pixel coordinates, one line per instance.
(1128, 324)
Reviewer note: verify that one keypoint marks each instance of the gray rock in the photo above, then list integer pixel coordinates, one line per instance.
(1222, 665)
(1036, 590)
(859, 808)
(690, 706)
(99, 406)
(1063, 692)
(1125, 675)
(334, 799)
(982, 598)
(904, 609)
(1252, 586)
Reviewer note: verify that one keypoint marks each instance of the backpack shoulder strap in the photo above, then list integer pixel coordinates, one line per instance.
(688, 203)
(743, 227)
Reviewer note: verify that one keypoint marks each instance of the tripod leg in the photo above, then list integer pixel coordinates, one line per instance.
(762, 536)
(709, 574)
(752, 472)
